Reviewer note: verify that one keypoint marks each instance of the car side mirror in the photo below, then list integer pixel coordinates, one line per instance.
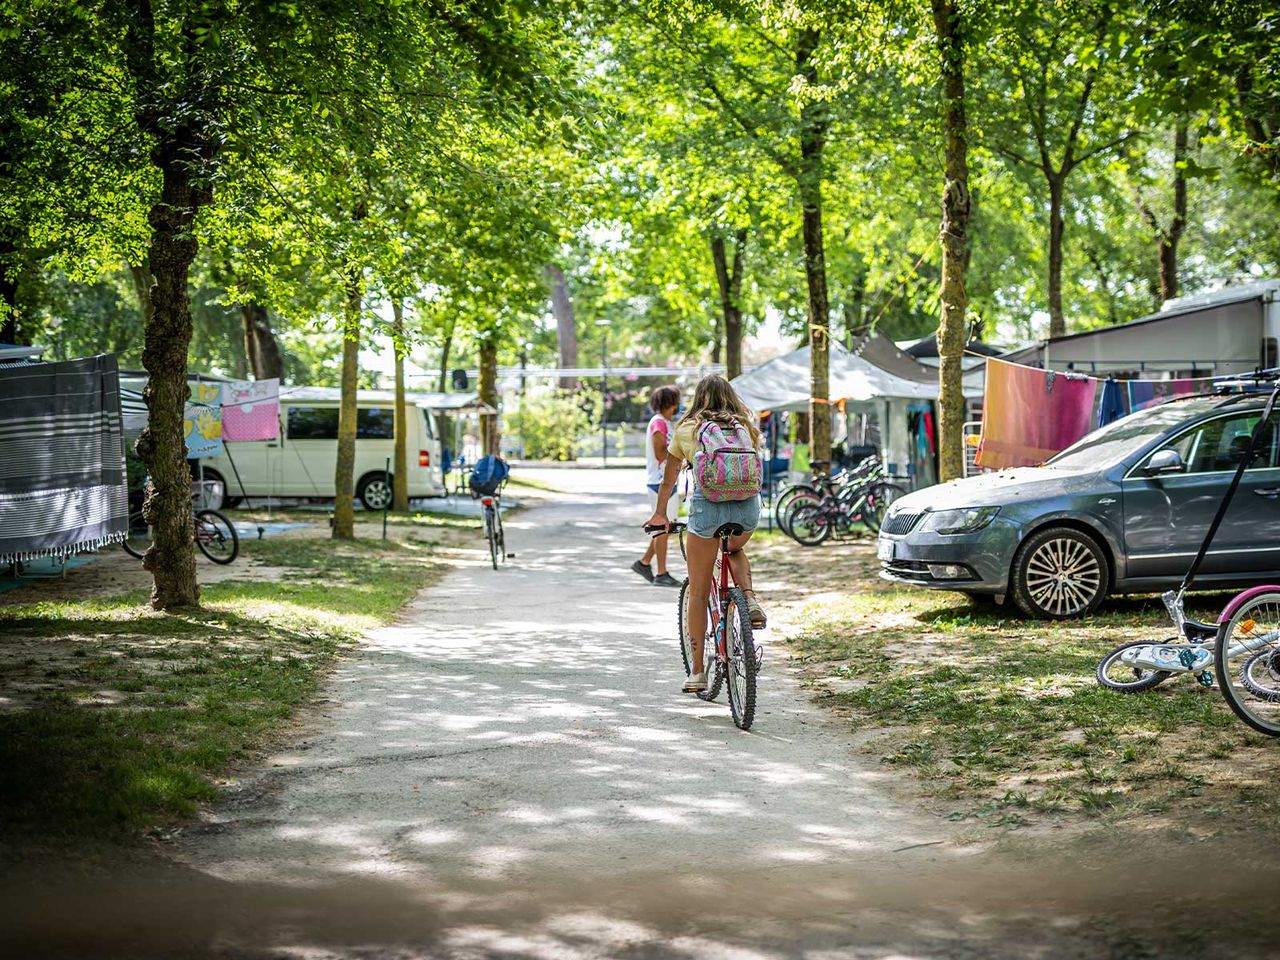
(1164, 462)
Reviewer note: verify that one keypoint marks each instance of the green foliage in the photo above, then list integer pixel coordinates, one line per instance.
(553, 424)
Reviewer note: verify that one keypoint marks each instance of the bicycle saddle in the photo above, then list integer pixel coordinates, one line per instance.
(729, 530)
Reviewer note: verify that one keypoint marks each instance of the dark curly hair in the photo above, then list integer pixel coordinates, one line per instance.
(663, 397)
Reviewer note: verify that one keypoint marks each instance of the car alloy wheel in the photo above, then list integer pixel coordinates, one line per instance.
(375, 494)
(1060, 574)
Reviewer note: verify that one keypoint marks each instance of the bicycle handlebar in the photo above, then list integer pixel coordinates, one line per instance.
(661, 529)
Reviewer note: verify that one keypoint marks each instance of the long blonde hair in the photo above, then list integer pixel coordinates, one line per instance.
(714, 399)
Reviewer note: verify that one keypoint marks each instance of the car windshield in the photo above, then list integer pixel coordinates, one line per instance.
(1118, 440)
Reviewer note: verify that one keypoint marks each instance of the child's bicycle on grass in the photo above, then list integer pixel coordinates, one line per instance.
(730, 653)
(1242, 647)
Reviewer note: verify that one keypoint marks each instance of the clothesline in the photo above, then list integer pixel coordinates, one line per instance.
(1076, 374)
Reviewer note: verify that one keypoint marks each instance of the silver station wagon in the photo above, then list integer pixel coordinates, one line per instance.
(1122, 511)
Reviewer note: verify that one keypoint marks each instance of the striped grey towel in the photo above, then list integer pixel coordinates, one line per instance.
(62, 475)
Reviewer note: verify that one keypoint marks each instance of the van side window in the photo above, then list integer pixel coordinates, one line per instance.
(376, 423)
(313, 423)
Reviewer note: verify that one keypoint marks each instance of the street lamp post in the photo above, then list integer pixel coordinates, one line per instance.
(604, 389)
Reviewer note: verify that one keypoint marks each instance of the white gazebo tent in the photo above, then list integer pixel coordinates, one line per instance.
(879, 379)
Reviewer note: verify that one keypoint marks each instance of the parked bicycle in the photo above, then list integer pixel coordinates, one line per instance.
(730, 653)
(1242, 647)
(488, 477)
(213, 533)
(825, 508)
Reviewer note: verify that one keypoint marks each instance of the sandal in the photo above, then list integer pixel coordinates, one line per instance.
(695, 682)
(755, 612)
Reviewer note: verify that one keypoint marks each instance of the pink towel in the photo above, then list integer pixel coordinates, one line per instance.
(1028, 414)
(251, 409)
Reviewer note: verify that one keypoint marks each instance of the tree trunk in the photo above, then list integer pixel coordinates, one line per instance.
(566, 326)
(489, 394)
(955, 225)
(1057, 322)
(1169, 238)
(813, 132)
(344, 518)
(166, 339)
(400, 459)
(442, 418)
(729, 282)
(260, 346)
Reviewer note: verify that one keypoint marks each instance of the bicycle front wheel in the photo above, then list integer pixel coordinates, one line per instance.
(877, 503)
(715, 678)
(138, 538)
(810, 525)
(1114, 674)
(742, 665)
(1247, 658)
(216, 536)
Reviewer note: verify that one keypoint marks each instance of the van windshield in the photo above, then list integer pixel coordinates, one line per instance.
(1117, 441)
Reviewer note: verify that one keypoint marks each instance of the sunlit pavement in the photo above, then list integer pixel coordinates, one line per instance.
(512, 772)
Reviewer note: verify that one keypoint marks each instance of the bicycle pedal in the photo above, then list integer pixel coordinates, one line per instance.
(511, 556)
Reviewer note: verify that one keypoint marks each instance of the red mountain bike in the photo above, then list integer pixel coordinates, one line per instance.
(729, 651)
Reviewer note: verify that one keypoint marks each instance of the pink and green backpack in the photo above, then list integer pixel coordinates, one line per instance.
(726, 465)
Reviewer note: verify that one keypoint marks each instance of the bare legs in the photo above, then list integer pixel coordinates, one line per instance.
(701, 561)
(657, 549)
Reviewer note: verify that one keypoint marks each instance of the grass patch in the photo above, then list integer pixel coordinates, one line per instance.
(1001, 718)
(119, 719)
(529, 483)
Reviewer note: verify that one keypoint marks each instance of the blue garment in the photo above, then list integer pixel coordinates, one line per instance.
(1111, 407)
(655, 487)
(706, 516)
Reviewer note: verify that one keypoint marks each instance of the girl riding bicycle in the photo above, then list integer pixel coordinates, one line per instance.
(714, 402)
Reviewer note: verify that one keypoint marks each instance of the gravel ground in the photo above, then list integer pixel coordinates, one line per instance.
(510, 771)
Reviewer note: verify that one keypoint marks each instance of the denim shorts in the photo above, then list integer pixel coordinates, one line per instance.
(706, 517)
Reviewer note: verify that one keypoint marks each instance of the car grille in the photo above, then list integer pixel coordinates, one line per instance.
(897, 524)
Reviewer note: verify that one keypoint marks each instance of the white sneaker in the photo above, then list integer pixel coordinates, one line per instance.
(695, 682)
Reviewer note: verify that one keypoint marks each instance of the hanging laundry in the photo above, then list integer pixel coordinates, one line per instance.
(1030, 414)
(62, 475)
(251, 409)
(202, 421)
(1144, 393)
(1112, 405)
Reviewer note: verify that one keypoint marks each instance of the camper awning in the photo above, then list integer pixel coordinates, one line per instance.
(783, 384)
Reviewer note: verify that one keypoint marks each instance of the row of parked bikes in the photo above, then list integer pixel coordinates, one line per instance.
(832, 508)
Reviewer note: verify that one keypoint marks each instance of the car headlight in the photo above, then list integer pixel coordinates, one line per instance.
(953, 522)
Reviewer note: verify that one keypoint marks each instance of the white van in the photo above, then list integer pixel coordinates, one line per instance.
(302, 462)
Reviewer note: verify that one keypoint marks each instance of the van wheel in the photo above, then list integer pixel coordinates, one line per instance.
(1059, 573)
(374, 491)
(212, 476)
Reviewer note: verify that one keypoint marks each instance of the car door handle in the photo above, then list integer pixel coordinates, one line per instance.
(1269, 492)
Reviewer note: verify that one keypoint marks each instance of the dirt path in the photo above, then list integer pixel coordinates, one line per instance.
(511, 772)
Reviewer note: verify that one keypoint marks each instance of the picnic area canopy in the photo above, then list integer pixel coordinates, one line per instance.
(878, 370)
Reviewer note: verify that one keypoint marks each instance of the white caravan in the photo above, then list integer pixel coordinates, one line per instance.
(303, 461)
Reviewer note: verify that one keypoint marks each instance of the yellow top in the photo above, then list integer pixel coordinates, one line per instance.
(684, 441)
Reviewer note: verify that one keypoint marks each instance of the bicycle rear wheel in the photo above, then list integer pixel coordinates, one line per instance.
(741, 645)
(502, 534)
(138, 538)
(491, 535)
(216, 536)
(1247, 658)
(789, 495)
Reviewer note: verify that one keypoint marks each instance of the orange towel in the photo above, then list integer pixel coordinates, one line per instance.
(1028, 414)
